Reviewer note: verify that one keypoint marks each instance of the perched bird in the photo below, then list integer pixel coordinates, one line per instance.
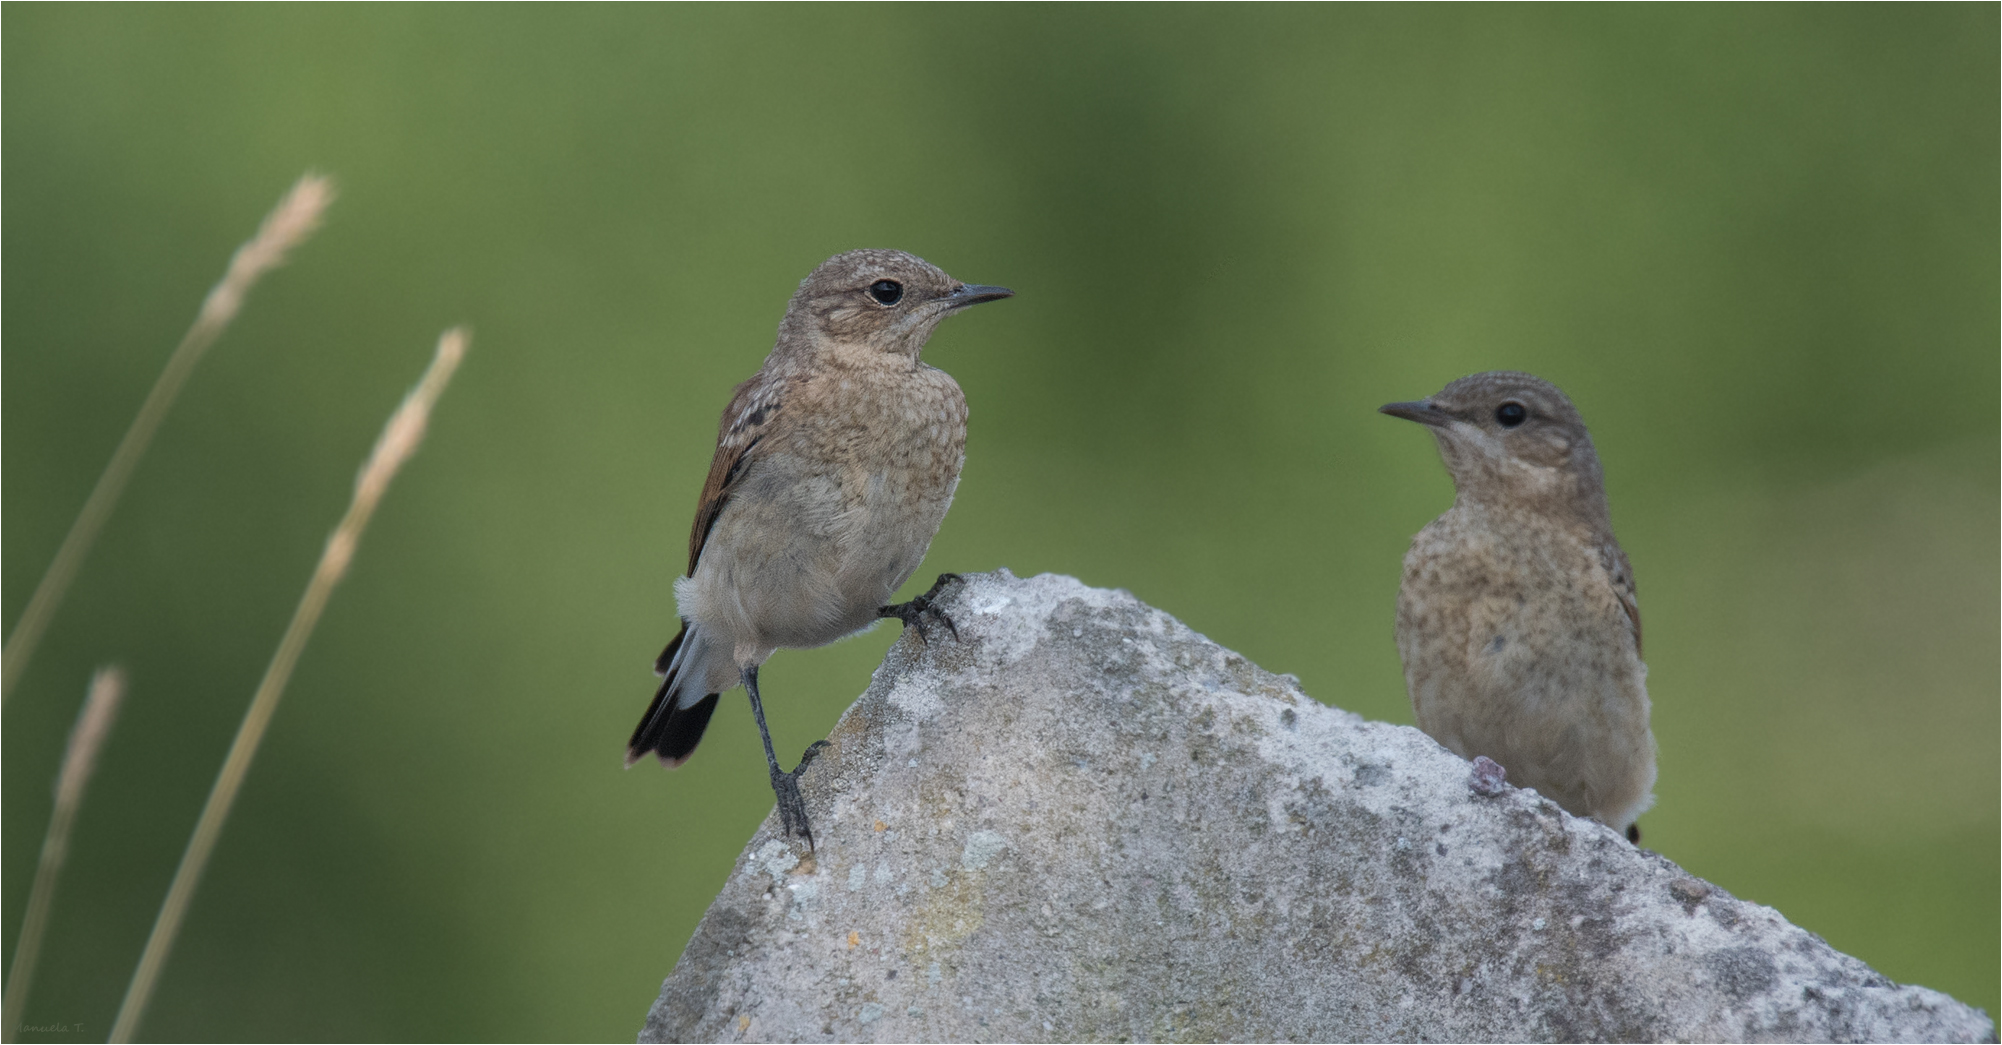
(834, 466)
(1517, 622)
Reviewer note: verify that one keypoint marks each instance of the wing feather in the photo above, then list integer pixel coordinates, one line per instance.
(745, 421)
(1614, 559)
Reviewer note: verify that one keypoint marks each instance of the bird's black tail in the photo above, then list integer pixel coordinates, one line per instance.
(670, 731)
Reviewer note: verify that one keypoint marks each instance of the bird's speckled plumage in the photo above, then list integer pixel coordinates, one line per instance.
(832, 509)
(1517, 620)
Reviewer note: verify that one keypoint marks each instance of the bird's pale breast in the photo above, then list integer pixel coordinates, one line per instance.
(1516, 646)
(840, 505)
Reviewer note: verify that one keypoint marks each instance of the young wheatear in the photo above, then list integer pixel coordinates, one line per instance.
(1516, 620)
(834, 466)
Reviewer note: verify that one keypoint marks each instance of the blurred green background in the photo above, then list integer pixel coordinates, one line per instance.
(1758, 245)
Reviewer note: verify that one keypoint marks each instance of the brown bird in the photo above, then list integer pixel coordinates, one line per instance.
(834, 466)
(1516, 621)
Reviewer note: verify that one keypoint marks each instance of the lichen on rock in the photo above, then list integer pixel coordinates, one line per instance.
(1084, 821)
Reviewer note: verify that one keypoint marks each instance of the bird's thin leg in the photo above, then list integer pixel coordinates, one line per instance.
(792, 808)
(915, 611)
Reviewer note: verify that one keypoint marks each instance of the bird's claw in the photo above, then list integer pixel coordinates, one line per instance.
(915, 611)
(792, 807)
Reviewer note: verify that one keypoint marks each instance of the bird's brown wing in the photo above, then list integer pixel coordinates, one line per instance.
(1614, 559)
(745, 421)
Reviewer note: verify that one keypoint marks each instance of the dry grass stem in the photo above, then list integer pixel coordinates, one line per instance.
(107, 688)
(288, 225)
(398, 441)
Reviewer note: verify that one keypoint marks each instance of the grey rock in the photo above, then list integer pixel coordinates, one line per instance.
(1083, 821)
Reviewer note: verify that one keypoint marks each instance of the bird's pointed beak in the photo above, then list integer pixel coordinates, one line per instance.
(1421, 411)
(974, 294)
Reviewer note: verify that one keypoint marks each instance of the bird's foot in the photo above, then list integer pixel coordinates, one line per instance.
(915, 611)
(792, 805)
(792, 808)
(812, 752)
(1488, 777)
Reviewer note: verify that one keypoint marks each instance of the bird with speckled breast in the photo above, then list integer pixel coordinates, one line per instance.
(1517, 619)
(834, 466)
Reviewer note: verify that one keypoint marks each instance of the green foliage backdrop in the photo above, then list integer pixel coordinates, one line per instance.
(1758, 245)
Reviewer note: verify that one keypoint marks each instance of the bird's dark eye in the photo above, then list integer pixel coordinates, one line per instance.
(886, 291)
(1511, 414)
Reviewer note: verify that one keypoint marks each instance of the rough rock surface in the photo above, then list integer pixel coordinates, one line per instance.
(1084, 821)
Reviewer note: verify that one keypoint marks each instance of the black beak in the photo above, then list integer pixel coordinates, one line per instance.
(974, 294)
(1422, 412)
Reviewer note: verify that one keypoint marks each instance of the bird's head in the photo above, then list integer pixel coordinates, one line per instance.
(1509, 437)
(874, 302)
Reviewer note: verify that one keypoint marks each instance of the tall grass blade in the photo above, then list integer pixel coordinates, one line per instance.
(398, 441)
(287, 226)
(100, 707)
